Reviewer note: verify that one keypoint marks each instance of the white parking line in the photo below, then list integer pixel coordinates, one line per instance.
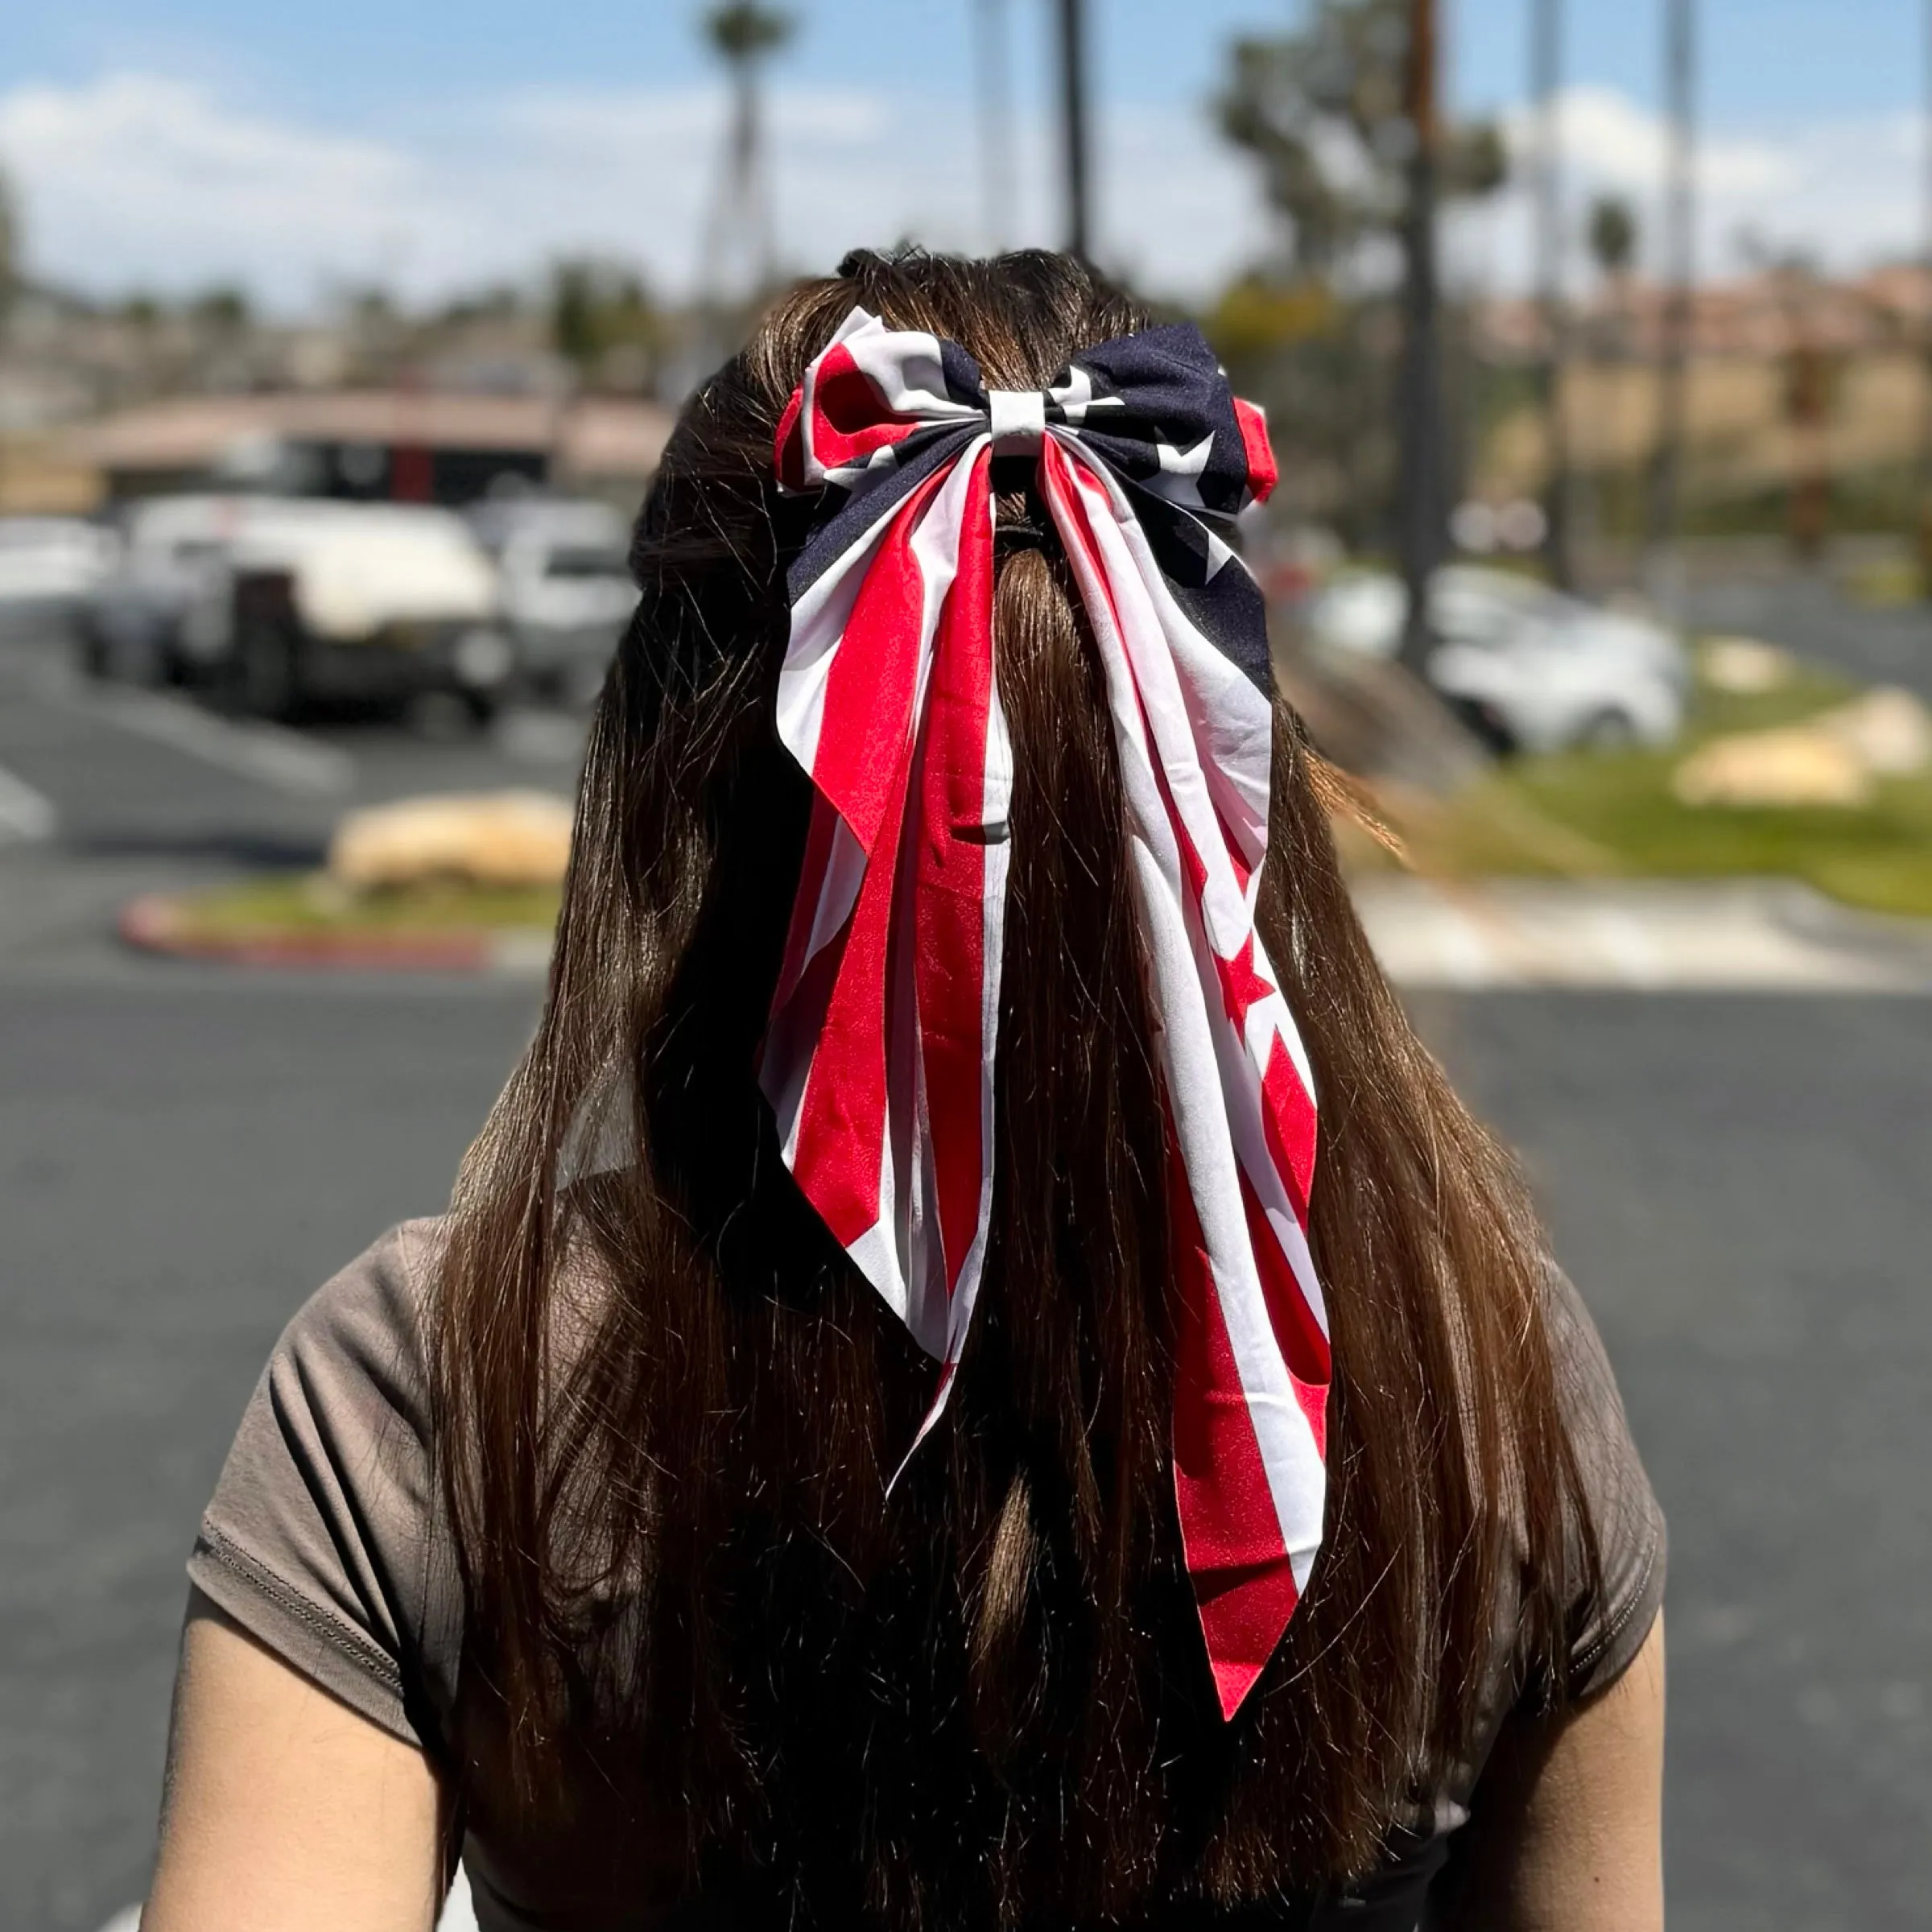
(25, 817)
(285, 761)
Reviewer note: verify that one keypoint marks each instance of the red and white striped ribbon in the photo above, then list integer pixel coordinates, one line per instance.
(879, 1062)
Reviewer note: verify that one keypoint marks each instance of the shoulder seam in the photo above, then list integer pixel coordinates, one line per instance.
(369, 1656)
(1632, 1601)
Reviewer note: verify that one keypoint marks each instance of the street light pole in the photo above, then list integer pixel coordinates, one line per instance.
(1419, 509)
(1073, 112)
(996, 126)
(1546, 80)
(1662, 565)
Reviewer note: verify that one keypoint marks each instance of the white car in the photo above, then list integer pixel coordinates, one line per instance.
(49, 567)
(567, 592)
(368, 602)
(146, 621)
(1529, 668)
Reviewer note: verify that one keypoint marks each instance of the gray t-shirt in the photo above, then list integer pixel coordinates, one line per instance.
(326, 1539)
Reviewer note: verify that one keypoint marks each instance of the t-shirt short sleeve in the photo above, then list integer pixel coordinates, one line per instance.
(1608, 1625)
(324, 1538)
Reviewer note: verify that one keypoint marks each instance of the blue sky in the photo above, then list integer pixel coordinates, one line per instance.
(298, 148)
(1765, 59)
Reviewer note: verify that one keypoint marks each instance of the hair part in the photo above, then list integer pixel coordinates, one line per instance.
(667, 1404)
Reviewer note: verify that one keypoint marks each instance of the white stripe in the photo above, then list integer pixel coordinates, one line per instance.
(1297, 1481)
(818, 625)
(996, 804)
(1190, 1058)
(909, 1282)
(906, 367)
(285, 761)
(1229, 726)
(24, 814)
(1181, 720)
(1233, 721)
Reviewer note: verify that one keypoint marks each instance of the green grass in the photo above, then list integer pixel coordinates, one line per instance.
(1584, 814)
(308, 902)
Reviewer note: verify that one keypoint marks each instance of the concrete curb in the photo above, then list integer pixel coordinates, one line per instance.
(1736, 935)
(156, 922)
(1657, 935)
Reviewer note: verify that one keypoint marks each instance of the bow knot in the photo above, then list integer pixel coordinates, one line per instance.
(1018, 417)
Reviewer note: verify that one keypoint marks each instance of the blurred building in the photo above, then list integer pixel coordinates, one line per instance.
(398, 445)
(102, 400)
(1799, 384)
(1766, 314)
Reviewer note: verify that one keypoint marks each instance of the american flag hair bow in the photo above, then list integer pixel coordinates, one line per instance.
(879, 1058)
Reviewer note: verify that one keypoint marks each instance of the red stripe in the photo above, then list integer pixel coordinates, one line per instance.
(866, 724)
(841, 1134)
(950, 886)
(1242, 870)
(1304, 1348)
(863, 766)
(1288, 1115)
(850, 420)
(1244, 1585)
(788, 446)
(1262, 474)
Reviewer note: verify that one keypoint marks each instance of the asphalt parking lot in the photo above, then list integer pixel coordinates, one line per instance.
(1739, 1182)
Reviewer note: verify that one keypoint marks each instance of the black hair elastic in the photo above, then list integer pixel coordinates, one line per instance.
(1019, 536)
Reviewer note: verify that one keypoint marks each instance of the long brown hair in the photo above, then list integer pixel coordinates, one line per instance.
(668, 1404)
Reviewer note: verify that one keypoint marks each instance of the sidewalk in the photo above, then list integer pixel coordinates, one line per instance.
(1742, 936)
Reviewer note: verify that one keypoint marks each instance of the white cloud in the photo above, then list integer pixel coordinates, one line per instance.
(1845, 192)
(139, 179)
(1606, 137)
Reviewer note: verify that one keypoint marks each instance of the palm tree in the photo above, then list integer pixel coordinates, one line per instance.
(10, 247)
(744, 34)
(1612, 236)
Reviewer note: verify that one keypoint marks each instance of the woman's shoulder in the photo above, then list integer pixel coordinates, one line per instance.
(375, 1309)
(325, 1538)
(1611, 1617)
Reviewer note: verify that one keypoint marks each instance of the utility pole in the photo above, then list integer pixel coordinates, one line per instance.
(1420, 511)
(996, 126)
(1663, 564)
(1545, 81)
(1073, 122)
(1923, 533)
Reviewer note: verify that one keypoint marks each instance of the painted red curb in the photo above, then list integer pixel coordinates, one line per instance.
(155, 923)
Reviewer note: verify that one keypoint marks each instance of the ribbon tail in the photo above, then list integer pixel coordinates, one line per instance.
(1251, 1349)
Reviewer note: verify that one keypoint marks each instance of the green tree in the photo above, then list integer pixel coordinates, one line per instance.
(1612, 234)
(224, 307)
(1322, 111)
(743, 31)
(601, 314)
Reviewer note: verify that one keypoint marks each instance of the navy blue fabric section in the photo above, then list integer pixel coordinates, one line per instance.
(1169, 390)
(964, 381)
(850, 514)
(1162, 386)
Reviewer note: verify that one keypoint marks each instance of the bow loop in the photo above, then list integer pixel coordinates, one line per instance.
(879, 1060)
